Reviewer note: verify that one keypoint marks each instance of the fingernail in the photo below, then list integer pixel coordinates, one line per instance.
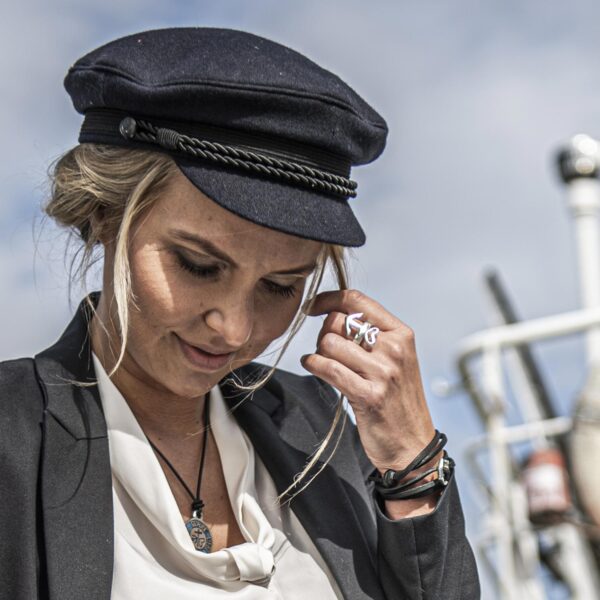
(303, 358)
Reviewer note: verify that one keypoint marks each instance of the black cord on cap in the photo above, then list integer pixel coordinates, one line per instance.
(237, 157)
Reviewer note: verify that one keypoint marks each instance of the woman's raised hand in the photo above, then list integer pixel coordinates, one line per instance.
(382, 382)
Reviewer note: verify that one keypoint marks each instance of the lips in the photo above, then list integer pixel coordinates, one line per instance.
(202, 359)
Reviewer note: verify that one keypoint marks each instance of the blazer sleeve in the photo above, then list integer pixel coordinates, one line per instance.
(21, 411)
(427, 557)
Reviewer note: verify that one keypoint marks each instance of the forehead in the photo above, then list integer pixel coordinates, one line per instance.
(181, 206)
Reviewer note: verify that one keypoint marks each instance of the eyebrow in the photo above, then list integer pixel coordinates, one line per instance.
(210, 248)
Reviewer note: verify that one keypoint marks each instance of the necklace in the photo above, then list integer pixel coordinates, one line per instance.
(199, 532)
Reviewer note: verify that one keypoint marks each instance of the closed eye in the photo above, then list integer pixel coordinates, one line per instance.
(204, 271)
(213, 271)
(287, 291)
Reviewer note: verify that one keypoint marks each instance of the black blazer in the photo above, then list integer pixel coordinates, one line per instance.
(56, 521)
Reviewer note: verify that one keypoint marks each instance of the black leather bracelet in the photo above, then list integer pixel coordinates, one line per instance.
(445, 468)
(392, 478)
(409, 482)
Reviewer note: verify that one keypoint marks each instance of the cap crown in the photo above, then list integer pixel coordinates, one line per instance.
(232, 79)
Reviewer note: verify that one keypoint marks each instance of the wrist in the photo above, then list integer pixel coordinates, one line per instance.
(426, 475)
(391, 479)
(419, 470)
(411, 507)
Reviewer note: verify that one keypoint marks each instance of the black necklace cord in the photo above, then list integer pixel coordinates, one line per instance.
(197, 503)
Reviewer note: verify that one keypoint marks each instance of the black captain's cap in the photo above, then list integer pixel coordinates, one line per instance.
(257, 127)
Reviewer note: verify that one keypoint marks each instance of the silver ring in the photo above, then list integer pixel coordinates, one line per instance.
(364, 330)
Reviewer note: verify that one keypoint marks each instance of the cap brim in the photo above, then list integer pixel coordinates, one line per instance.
(293, 210)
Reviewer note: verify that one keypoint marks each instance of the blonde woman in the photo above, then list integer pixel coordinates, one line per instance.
(144, 455)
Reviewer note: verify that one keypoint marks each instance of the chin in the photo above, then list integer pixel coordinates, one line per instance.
(191, 383)
(195, 389)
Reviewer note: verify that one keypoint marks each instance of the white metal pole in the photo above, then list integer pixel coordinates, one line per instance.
(533, 330)
(500, 471)
(575, 562)
(579, 164)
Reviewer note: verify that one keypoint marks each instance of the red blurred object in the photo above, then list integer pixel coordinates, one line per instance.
(547, 486)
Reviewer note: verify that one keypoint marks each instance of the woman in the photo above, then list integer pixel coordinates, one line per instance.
(144, 452)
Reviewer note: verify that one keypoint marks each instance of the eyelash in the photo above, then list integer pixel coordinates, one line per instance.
(286, 291)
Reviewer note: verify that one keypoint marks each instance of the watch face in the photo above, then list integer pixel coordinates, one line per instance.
(200, 535)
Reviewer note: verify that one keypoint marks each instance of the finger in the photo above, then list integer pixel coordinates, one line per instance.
(334, 323)
(353, 356)
(353, 301)
(338, 375)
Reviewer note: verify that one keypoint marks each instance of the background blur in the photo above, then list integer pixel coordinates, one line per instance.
(477, 96)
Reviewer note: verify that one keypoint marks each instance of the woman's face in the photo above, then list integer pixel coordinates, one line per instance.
(212, 290)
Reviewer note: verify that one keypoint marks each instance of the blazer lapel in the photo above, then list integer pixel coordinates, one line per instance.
(329, 508)
(76, 486)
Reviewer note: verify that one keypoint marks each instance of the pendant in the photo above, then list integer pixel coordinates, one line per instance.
(200, 534)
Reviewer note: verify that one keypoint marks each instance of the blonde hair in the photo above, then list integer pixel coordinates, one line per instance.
(98, 192)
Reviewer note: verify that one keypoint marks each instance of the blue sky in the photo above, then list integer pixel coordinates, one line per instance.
(477, 95)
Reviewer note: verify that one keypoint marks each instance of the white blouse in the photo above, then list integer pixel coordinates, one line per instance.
(154, 557)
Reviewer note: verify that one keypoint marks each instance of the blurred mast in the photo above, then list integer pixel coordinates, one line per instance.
(530, 367)
(514, 526)
(578, 164)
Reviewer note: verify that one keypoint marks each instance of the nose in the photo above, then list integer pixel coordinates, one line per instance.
(231, 321)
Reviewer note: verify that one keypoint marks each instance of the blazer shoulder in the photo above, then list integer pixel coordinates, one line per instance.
(18, 377)
(21, 402)
(21, 416)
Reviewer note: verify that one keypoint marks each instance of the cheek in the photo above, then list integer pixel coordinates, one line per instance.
(162, 295)
(272, 319)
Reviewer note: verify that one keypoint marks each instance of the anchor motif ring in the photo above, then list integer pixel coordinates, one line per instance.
(363, 331)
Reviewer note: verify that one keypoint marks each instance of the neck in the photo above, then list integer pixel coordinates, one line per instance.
(160, 413)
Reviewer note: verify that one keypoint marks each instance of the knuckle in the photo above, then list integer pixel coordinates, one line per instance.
(387, 371)
(396, 349)
(408, 333)
(328, 343)
(354, 296)
(377, 398)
